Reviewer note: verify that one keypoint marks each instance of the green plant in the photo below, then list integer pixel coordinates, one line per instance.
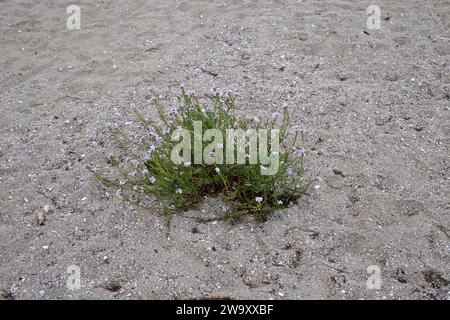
(180, 187)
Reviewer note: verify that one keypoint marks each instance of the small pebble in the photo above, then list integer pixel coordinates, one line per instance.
(40, 217)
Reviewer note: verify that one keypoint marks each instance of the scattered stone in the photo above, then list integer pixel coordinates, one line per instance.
(342, 77)
(434, 278)
(194, 229)
(209, 72)
(7, 294)
(313, 233)
(153, 49)
(47, 208)
(112, 286)
(338, 172)
(303, 36)
(40, 217)
(400, 276)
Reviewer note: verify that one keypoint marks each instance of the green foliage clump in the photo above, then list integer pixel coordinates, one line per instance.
(182, 187)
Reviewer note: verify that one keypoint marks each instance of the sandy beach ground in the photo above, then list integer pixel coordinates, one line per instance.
(375, 104)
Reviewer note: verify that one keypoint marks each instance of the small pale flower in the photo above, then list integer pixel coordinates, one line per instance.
(300, 152)
(317, 187)
(217, 170)
(275, 115)
(148, 156)
(259, 199)
(290, 171)
(187, 164)
(152, 180)
(178, 191)
(280, 202)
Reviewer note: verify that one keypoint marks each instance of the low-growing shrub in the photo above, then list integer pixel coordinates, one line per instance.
(151, 170)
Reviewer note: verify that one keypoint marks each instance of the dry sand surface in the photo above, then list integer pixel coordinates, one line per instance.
(375, 104)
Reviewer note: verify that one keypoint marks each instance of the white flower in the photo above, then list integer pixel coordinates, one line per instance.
(178, 191)
(290, 171)
(275, 115)
(148, 156)
(300, 152)
(187, 164)
(217, 170)
(259, 199)
(317, 187)
(280, 202)
(152, 179)
(145, 171)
